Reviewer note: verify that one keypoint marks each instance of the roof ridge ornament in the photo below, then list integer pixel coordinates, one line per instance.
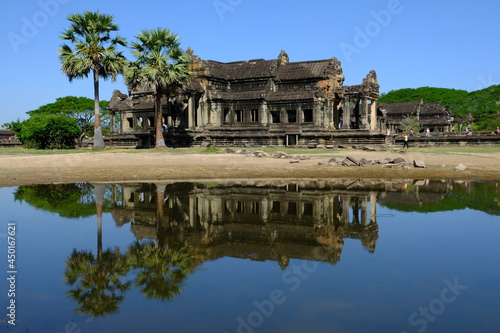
(283, 57)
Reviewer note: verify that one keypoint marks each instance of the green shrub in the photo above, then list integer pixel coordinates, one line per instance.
(49, 132)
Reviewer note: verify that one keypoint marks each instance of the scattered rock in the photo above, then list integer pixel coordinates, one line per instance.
(330, 146)
(364, 162)
(419, 164)
(294, 161)
(398, 160)
(334, 162)
(261, 153)
(281, 154)
(205, 144)
(461, 167)
(312, 145)
(368, 148)
(350, 161)
(406, 165)
(230, 151)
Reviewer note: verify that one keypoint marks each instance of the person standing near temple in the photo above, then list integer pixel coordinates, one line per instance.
(405, 143)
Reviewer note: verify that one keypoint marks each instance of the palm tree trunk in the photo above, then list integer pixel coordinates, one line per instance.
(160, 141)
(99, 199)
(98, 138)
(160, 214)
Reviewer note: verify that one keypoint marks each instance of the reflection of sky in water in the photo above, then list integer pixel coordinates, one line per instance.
(364, 292)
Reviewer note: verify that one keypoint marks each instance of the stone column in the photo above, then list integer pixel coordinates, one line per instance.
(192, 210)
(346, 205)
(346, 117)
(373, 116)
(363, 210)
(373, 207)
(365, 113)
(112, 121)
(263, 114)
(191, 119)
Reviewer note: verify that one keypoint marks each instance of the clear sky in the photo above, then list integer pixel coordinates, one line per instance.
(409, 43)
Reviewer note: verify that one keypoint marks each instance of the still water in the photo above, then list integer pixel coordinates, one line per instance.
(250, 256)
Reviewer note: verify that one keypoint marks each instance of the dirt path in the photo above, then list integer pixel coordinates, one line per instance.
(164, 166)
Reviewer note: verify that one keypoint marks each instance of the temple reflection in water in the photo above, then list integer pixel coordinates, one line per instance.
(275, 221)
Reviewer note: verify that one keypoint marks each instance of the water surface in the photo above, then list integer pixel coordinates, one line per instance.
(284, 256)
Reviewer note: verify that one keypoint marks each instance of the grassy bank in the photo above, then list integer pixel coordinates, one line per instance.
(216, 150)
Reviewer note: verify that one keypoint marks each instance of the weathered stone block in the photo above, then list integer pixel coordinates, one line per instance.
(398, 160)
(353, 160)
(419, 164)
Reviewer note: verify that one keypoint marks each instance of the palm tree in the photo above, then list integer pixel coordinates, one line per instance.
(161, 270)
(97, 280)
(160, 65)
(94, 50)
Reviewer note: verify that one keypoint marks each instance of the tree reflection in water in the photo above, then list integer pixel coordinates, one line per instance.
(161, 271)
(265, 222)
(98, 282)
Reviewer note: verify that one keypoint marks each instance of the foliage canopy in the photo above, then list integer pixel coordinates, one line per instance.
(49, 132)
(482, 107)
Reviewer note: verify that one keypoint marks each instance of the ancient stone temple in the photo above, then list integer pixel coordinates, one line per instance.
(430, 115)
(259, 102)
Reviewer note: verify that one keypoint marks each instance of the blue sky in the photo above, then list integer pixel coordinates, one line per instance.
(409, 43)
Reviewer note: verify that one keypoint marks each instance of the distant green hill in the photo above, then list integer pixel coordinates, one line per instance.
(483, 105)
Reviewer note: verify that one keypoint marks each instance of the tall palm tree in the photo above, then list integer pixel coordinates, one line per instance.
(98, 281)
(93, 50)
(160, 65)
(161, 270)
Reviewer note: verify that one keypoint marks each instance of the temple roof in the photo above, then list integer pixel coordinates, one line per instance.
(260, 68)
(412, 107)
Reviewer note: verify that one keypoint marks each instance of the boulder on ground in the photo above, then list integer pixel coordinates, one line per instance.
(281, 154)
(334, 162)
(419, 164)
(461, 167)
(364, 162)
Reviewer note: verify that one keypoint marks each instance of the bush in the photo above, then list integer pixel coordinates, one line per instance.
(49, 132)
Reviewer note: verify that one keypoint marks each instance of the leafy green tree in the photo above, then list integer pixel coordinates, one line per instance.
(15, 126)
(450, 98)
(94, 51)
(49, 132)
(410, 122)
(67, 200)
(482, 107)
(160, 65)
(79, 108)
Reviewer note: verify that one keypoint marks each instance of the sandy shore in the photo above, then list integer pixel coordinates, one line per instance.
(116, 166)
